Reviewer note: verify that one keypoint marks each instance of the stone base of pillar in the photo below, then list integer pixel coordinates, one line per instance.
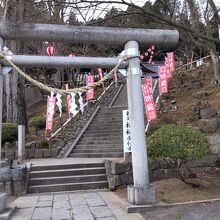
(3, 201)
(142, 195)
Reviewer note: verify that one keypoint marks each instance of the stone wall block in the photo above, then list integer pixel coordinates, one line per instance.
(54, 152)
(128, 166)
(208, 113)
(47, 153)
(10, 154)
(130, 178)
(2, 187)
(154, 164)
(31, 153)
(213, 139)
(38, 153)
(118, 168)
(5, 174)
(110, 177)
(163, 174)
(207, 161)
(30, 145)
(124, 178)
(18, 173)
(208, 125)
(117, 180)
(163, 164)
(17, 188)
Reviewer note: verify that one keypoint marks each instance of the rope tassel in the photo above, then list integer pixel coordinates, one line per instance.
(73, 105)
(59, 103)
(81, 105)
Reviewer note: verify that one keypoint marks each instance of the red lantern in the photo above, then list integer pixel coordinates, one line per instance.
(50, 51)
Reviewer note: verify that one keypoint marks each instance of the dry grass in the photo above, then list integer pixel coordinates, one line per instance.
(174, 190)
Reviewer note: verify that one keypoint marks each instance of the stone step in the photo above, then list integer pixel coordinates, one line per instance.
(110, 128)
(94, 141)
(66, 166)
(96, 155)
(109, 115)
(110, 111)
(106, 124)
(98, 146)
(107, 121)
(104, 127)
(67, 172)
(98, 134)
(67, 179)
(68, 187)
(121, 103)
(103, 121)
(85, 136)
(95, 150)
(104, 132)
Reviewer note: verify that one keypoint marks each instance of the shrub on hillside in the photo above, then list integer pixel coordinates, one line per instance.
(9, 132)
(176, 144)
(39, 122)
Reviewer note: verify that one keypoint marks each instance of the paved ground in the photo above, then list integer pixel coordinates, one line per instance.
(68, 206)
(202, 211)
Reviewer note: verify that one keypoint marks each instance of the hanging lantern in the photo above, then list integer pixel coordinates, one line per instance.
(51, 51)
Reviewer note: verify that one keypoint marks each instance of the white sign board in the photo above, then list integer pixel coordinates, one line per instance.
(126, 132)
(199, 63)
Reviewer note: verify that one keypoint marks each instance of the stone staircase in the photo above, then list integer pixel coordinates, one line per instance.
(67, 177)
(122, 99)
(104, 136)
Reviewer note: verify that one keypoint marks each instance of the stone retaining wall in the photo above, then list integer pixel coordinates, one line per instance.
(31, 153)
(120, 172)
(34, 149)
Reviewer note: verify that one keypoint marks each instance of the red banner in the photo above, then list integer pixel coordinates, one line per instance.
(169, 72)
(170, 57)
(90, 92)
(68, 99)
(163, 79)
(100, 73)
(51, 102)
(150, 106)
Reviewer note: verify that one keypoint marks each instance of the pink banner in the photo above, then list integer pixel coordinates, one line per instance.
(68, 99)
(170, 57)
(163, 79)
(90, 92)
(51, 102)
(100, 73)
(150, 106)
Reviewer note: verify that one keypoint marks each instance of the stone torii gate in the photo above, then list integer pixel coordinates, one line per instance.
(141, 192)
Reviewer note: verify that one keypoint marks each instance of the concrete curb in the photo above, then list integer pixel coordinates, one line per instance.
(141, 208)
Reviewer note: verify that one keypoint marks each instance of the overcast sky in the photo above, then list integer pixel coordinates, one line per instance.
(100, 13)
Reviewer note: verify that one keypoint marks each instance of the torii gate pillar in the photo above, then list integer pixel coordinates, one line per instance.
(141, 192)
(1, 97)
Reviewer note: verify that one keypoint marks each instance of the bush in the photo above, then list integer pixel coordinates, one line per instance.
(9, 132)
(176, 144)
(39, 122)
